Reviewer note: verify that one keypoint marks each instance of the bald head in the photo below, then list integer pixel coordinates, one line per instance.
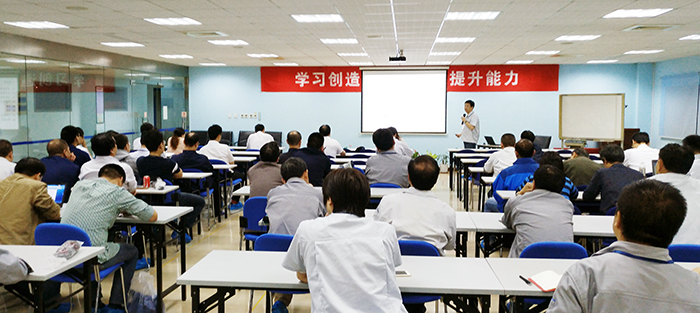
(56, 147)
(294, 139)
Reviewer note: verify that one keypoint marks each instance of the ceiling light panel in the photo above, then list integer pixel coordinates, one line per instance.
(601, 61)
(690, 37)
(262, 55)
(228, 42)
(286, 64)
(542, 52)
(173, 21)
(122, 44)
(339, 41)
(176, 56)
(28, 61)
(520, 61)
(636, 13)
(577, 38)
(455, 39)
(37, 25)
(473, 16)
(643, 51)
(318, 18)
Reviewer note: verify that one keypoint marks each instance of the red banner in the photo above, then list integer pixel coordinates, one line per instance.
(501, 78)
(311, 79)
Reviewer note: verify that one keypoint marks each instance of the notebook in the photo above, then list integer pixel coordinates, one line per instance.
(56, 192)
(547, 281)
(489, 140)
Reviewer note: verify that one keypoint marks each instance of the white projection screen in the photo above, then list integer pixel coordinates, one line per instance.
(413, 101)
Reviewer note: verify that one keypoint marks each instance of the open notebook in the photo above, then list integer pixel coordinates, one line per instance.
(56, 192)
(547, 281)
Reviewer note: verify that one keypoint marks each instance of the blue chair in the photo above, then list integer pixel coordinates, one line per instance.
(359, 169)
(418, 248)
(225, 183)
(684, 252)
(55, 234)
(360, 156)
(550, 250)
(273, 242)
(253, 212)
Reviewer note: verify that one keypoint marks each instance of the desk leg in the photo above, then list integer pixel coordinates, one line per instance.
(477, 247)
(485, 303)
(466, 194)
(502, 303)
(195, 299)
(217, 198)
(452, 168)
(87, 287)
(38, 293)
(159, 267)
(183, 257)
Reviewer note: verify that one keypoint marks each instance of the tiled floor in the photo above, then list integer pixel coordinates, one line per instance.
(225, 236)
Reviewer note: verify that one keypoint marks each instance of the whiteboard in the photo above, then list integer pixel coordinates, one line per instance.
(598, 117)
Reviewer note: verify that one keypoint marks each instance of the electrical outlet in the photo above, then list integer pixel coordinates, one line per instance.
(244, 115)
(255, 115)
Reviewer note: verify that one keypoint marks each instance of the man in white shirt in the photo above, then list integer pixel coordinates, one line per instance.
(503, 159)
(416, 213)
(639, 157)
(348, 261)
(674, 163)
(105, 148)
(470, 126)
(331, 147)
(215, 150)
(399, 145)
(259, 138)
(7, 168)
(692, 143)
(144, 128)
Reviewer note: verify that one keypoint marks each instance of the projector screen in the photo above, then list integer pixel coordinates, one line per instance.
(413, 101)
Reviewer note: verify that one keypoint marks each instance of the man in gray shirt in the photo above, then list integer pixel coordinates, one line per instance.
(636, 273)
(12, 268)
(266, 174)
(542, 213)
(387, 166)
(290, 204)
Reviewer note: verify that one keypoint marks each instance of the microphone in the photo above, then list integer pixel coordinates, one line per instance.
(464, 115)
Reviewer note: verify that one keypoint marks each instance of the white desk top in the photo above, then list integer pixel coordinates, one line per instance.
(40, 259)
(246, 153)
(375, 193)
(166, 214)
(475, 169)
(244, 159)
(153, 191)
(429, 275)
(475, 150)
(507, 271)
(351, 154)
(337, 166)
(464, 222)
(224, 166)
(347, 160)
(243, 148)
(189, 175)
(481, 155)
(471, 161)
(584, 225)
(488, 180)
(507, 194)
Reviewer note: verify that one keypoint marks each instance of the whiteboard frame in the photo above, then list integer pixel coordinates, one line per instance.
(621, 134)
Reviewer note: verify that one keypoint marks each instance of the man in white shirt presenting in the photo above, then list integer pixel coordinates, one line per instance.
(692, 143)
(331, 147)
(639, 157)
(503, 159)
(215, 150)
(470, 126)
(7, 168)
(259, 138)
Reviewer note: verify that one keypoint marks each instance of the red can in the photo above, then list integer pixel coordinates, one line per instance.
(147, 181)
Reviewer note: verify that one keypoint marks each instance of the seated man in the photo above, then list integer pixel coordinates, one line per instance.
(82, 144)
(347, 260)
(7, 168)
(674, 163)
(294, 142)
(316, 161)
(156, 166)
(692, 143)
(634, 274)
(143, 129)
(259, 138)
(399, 145)
(71, 135)
(60, 169)
(640, 156)
(511, 177)
(190, 158)
(123, 155)
(25, 203)
(580, 168)
(416, 213)
(504, 158)
(266, 174)
(105, 148)
(94, 207)
(387, 166)
(331, 147)
(290, 204)
(609, 180)
(529, 135)
(569, 191)
(215, 150)
(541, 214)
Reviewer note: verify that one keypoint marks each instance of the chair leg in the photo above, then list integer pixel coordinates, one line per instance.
(99, 285)
(121, 273)
(250, 302)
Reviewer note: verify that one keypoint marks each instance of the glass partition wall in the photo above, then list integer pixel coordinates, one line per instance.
(38, 97)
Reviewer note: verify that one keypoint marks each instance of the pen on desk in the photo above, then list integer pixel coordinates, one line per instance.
(525, 280)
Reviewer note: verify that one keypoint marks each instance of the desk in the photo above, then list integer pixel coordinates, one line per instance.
(198, 176)
(375, 193)
(225, 169)
(348, 160)
(247, 160)
(152, 192)
(156, 231)
(37, 257)
(507, 194)
(597, 226)
(465, 163)
(246, 153)
(352, 154)
(337, 166)
(263, 270)
(484, 181)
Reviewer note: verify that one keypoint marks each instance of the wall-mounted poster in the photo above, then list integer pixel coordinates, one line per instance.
(9, 106)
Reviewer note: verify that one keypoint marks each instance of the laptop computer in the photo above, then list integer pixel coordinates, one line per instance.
(56, 192)
(489, 140)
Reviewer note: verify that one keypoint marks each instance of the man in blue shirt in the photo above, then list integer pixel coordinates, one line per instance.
(60, 169)
(511, 177)
(609, 181)
(189, 158)
(316, 161)
(70, 134)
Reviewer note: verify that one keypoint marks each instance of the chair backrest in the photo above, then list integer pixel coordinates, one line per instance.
(55, 234)
(384, 185)
(466, 151)
(253, 211)
(563, 151)
(554, 250)
(416, 247)
(684, 252)
(359, 169)
(360, 156)
(273, 242)
(611, 211)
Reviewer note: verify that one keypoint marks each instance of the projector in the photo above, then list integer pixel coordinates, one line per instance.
(397, 59)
